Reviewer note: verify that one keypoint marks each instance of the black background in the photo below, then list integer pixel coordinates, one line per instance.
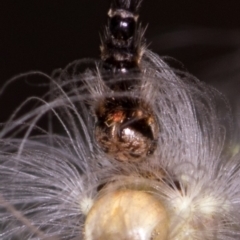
(44, 35)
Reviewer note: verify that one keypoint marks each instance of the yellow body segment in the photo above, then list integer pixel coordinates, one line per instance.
(127, 214)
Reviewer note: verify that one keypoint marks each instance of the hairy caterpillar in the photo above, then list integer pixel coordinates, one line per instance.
(61, 184)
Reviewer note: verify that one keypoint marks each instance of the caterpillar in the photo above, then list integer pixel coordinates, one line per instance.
(134, 149)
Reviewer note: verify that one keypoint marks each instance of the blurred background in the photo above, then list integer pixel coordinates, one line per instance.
(44, 35)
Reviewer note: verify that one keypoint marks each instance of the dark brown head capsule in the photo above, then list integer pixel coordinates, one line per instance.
(126, 129)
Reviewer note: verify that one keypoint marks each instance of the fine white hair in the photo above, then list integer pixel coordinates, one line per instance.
(49, 181)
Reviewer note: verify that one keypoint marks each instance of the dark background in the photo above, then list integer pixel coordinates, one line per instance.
(48, 34)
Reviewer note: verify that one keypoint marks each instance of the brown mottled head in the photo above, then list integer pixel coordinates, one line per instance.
(126, 129)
